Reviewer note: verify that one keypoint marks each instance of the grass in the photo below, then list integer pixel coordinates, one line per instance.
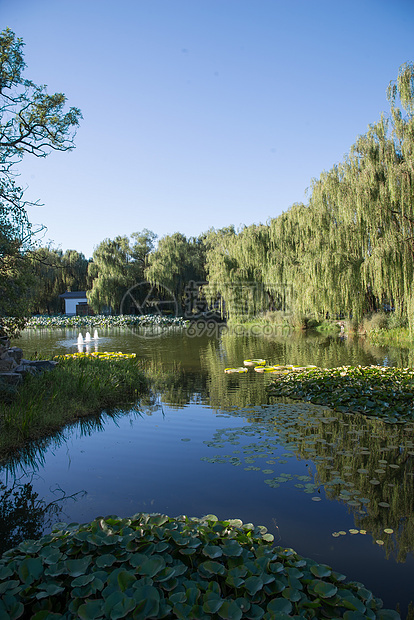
(284, 320)
(398, 336)
(76, 388)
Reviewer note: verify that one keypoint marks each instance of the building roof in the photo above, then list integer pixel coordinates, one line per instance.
(73, 295)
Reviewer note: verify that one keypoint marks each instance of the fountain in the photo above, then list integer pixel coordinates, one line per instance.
(95, 335)
(87, 337)
(80, 339)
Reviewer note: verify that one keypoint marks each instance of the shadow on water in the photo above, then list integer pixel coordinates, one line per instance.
(24, 515)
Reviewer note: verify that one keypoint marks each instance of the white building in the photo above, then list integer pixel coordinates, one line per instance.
(75, 302)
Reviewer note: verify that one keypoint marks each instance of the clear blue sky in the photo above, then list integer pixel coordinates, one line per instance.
(200, 113)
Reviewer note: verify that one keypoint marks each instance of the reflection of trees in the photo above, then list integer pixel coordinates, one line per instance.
(311, 347)
(23, 515)
(229, 391)
(32, 456)
(175, 386)
(341, 444)
(174, 367)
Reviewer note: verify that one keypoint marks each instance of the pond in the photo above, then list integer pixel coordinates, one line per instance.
(335, 487)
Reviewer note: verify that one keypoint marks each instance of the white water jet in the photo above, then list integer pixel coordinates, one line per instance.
(95, 335)
(80, 339)
(87, 337)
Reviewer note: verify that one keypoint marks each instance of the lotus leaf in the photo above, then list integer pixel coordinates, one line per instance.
(251, 579)
(386, 390)
(91, 610)
(279, 605)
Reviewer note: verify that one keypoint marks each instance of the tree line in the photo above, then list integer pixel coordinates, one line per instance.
(349, 250)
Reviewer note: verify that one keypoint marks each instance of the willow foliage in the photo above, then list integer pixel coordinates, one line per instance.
(176, 263)
(236, 267)
(118, 266)
(351, 248)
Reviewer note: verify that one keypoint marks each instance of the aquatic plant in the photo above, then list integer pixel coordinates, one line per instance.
(361, 462)
(376, 391)
(154, 566)
(102, 355)
(79, 386)
(239, 369)
(100, 320)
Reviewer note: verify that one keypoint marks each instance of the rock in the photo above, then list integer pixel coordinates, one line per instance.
(26, 369)
(11, 378)
(8, 364)
(16, 353)
(34, 367)
(13, 367)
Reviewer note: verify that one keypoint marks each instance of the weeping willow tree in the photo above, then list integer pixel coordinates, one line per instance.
(52, 273)
(118, 266)
(361, 214)
(236, 267)
(175, 264)
(350, 249)
(287, 260)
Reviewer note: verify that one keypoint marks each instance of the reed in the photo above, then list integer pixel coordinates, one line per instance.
(76, 388)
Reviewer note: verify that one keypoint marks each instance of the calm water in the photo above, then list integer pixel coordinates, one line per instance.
(208, 442)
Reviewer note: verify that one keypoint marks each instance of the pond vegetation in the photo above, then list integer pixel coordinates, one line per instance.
(153, 566)
(102, 320)
(380, 392)
(296, 451)
(361, 462)
(80, 385)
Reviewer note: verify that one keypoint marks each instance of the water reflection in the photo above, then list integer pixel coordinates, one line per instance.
(357, 471)
(32, 457)
(363, 463)
(24, 515)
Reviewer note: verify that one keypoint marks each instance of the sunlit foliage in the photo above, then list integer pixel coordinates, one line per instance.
(350, 250)
(31, 122)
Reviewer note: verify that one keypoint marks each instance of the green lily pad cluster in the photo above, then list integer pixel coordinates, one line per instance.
(377, 391)
(101, 320)
(154, 566)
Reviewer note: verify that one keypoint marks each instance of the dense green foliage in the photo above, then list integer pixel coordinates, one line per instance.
(176, 264)
(117, 267)
(381, 392)
(54, 273)
(31, 122)
(100, 320)
(350, 249)
(75, 388)
(153, 566)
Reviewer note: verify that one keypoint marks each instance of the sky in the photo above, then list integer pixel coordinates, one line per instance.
(200, 114)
